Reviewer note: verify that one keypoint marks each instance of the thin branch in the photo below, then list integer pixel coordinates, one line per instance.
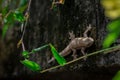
(28, 9)
(25, 24)
(27, 16)
(104, 51)
(23, 46)
(8, 13)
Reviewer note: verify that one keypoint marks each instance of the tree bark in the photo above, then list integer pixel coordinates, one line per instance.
(53, 26)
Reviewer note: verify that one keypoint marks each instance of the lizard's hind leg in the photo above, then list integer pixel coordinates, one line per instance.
(74, 55)
(83, 52)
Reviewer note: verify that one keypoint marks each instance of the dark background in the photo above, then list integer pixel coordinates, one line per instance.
(52, 26)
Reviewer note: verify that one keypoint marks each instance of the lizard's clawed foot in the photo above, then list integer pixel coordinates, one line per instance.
(85, 58)
(74, 56)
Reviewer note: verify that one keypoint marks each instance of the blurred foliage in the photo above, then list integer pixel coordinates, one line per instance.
(19, 16)
(56, 55)
(62, 1)
(112, 11)
(23, 3)
(31, 65)
(4, 11)
(12, 11)
(117, 76)
(114, 32)
(10, 19)
(112, 8)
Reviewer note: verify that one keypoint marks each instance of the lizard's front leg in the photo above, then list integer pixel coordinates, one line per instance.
(83, 52)
(86, 31)
(74, 55)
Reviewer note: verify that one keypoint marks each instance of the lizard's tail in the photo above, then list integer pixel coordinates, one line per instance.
(63, 53)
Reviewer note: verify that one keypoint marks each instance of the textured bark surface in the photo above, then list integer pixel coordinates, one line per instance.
(52, 26)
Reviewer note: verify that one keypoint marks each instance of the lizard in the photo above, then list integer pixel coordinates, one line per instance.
(75, 44)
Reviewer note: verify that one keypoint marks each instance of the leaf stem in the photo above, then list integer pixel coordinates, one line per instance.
(38, 49)
(25, 24)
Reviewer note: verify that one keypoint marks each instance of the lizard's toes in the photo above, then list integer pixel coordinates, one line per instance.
(85, 58)
(74, 56)
(49, 61)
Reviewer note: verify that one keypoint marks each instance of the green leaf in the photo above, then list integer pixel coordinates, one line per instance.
(9, 19)
(40, 48)
(23, 2)
(114, 32)
(25, 54)
(111, 37)
(19, 16)
(56, 55)
(114, 25)
(117, 76)
(4, 11)
(31, 65)
(22, 8)
(4, 30)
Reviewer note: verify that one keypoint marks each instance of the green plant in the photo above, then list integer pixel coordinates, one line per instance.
(33, 65)
(12, 13)
(112, 11)
(10, 17)
(56, 55)
(117, 76)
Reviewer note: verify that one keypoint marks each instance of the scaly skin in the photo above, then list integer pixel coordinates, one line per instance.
(75, 44)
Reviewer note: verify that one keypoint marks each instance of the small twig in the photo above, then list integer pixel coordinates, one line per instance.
(27, 16)
(104, 51)
(8, 13)
(38, 49)
(23, 46)
(25, 24)
(28, 9)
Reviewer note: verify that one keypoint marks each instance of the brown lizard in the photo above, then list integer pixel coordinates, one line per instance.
(76, 43)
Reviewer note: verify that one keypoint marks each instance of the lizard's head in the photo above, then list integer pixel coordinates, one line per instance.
(90, 41)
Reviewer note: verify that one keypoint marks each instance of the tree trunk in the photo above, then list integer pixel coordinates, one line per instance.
(53, 25)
